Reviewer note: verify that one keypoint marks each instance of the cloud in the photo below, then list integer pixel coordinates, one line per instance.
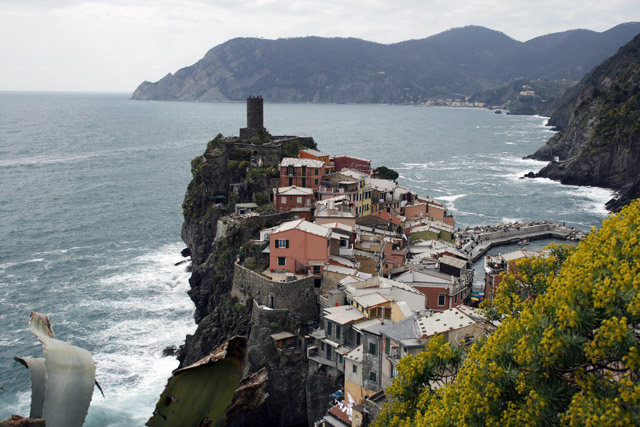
(116, 44)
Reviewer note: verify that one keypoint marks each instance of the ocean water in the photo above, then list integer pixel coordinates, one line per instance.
(91, 187)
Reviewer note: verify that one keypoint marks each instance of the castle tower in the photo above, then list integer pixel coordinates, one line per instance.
(255, 117)
(255, 112)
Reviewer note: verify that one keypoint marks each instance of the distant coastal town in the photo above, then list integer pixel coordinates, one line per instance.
(364, 272)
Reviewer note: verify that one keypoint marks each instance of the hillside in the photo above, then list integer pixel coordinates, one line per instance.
(455, 63)
(525, 96)
(599, 122)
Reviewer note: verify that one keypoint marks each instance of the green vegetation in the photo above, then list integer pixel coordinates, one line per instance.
(384, 172)
(263, 135)
(621, 122)
(566, 352)
(269, 172)
(215, 142)
(261, 199)
(239, 154)
(291, 148)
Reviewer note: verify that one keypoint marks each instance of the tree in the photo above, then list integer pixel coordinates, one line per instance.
(384, 172)
(263, 135)
(528, 279)
(568, 355)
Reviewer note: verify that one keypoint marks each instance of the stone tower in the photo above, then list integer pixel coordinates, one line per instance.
(255, 117)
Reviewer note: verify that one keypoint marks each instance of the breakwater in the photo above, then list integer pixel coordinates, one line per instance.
(476, 241)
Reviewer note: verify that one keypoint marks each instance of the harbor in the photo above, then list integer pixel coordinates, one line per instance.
(476, 241)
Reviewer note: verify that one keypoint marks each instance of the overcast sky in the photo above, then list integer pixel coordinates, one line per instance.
(113, 45)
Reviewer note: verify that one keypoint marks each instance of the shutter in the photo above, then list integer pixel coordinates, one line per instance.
(286, 243)
(277, 243)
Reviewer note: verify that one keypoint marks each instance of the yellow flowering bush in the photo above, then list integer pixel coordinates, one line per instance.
(567, 351)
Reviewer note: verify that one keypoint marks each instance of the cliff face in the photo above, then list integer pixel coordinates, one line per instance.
(225, 296)
(455, 63)
(598, 142)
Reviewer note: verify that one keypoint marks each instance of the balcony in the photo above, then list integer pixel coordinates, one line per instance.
(313, 353)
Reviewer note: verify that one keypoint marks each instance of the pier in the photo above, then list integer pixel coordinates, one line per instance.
(476, 241)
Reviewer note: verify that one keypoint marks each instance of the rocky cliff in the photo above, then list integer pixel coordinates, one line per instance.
(233, 171)
(598, 142)
(455, 63)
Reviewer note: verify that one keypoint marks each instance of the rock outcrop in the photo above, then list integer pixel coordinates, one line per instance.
(224, 293)
(598, 142)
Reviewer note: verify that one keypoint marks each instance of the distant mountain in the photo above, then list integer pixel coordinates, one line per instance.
(453, 64)
(599, 122)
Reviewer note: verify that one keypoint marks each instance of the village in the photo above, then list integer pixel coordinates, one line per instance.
(368, 270)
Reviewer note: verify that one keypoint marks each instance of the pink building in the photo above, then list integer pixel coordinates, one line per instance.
(306, 173)
(299, 245)
(350, 162)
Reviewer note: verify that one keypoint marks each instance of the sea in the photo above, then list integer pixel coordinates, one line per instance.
(91, 187)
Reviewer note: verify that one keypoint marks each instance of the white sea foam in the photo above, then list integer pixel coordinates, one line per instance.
(594, 198)
(506, 220)
(452, 198)
(153, 313)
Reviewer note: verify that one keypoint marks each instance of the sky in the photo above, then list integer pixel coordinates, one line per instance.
(114, 45)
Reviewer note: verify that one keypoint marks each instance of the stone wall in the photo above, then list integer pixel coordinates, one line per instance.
(298, 297)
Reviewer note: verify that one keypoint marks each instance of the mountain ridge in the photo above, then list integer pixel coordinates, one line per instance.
(456, 63)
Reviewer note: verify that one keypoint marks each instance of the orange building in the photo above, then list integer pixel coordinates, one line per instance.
(314, 155)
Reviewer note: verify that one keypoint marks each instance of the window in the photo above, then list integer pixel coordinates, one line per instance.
(315, 181)
(304, 171)
(282, 260)
(316, 269)
(329, 351)
(282, 243)
(338, 331)
(304, 182)
(441, 300)
(357, 339)
(372, 348)
(340, 356)
(372, 376)
(355, 369)
(329, 327)
(316, 172)
(290, 171)
(290, 182)
(283, 200)
(387, 345)
(455, 298)
(322, 345)
(299, 200)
